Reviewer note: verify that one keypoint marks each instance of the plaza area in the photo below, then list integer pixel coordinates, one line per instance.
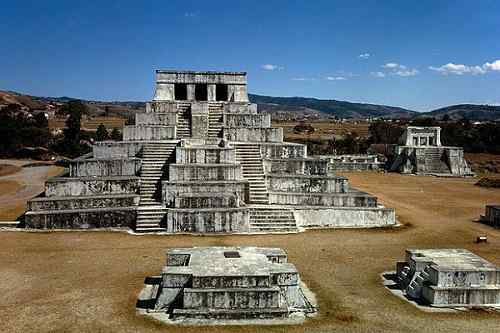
(89, 281)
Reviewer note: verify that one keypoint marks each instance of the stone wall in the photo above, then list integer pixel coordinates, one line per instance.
(104, 167)
(351, 199)
(298, 166)
(225, 220)
(283, 150)
(253, 134)
(123, 217)
(164, 118)
(307, 184)
(186, 172)
(204, 154)
(247, 108)
(141, 132)
(171, 189)
(247, 120)
(116, 149)
(65, 186)
(83, 202)
(339, 217)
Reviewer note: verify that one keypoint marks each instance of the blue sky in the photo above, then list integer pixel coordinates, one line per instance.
(416, 54)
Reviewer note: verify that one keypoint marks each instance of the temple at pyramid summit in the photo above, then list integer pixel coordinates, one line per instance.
(202, 159)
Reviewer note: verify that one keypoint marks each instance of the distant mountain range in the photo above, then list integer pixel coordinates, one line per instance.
(280, 107)
(330, 108)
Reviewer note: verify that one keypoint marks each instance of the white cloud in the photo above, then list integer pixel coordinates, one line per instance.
(406, 72)
(271, 67)
(303, 79)
(396, 69)
(190, 14)
(378, 74)
(335, 78)
(391, 65)
(364, 55)
(495, 66)
(461, 69)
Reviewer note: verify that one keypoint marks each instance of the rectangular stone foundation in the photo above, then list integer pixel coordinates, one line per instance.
(123, 217)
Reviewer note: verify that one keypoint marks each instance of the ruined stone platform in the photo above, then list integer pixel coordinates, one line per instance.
(226, 283)
(450, 278)
(201, 159)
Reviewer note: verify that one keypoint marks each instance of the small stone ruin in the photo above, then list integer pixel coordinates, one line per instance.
(449, 278)
(420, 152)
(491, 216)
(226, 283)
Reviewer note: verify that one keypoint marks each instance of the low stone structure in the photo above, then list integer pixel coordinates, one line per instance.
(449, 278)
(420, 152)
(491, 216)
(225, 283)
(201, 159)
(354, 162)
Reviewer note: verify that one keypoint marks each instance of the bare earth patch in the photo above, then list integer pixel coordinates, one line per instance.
(8, 169)
(89, 281)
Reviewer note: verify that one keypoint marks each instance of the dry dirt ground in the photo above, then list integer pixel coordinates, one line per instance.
(323, 129)
(21, 184)
(89, 281)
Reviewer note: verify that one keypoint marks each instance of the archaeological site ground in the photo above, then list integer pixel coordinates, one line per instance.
(79, 281)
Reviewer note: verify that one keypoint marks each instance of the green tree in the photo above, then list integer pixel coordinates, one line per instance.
(74, 110)
(102, 133)
(116, 135)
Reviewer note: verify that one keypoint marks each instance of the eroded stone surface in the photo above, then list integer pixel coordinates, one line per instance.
(449, 278)
(235, 283)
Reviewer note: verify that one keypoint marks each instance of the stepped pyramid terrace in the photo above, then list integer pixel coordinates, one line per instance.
(216, 284)
(420, 152)
(201, 159)
(449, 278)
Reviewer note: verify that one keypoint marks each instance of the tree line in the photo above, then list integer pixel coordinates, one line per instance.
(19, 130)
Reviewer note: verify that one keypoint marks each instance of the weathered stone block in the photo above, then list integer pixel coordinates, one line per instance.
(215, 220)
(85, 186)
(149, 132)
(190, 172)
(247, 120)
(85, 202)
(116, 149)
(104, 167)
(244, 134)
(156, 118)
(205, 154)
(172, 189)
(283, 150)
(307, 184)
(123, 217)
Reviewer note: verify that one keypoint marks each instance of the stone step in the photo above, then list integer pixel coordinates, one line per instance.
(144, 230)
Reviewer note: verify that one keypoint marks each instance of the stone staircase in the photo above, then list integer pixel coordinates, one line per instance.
(155, 161)
(272, 221)
(149, 218)
(183, 120)
(434, 161)
(248, 155)
(414, 289)
(215, 111)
